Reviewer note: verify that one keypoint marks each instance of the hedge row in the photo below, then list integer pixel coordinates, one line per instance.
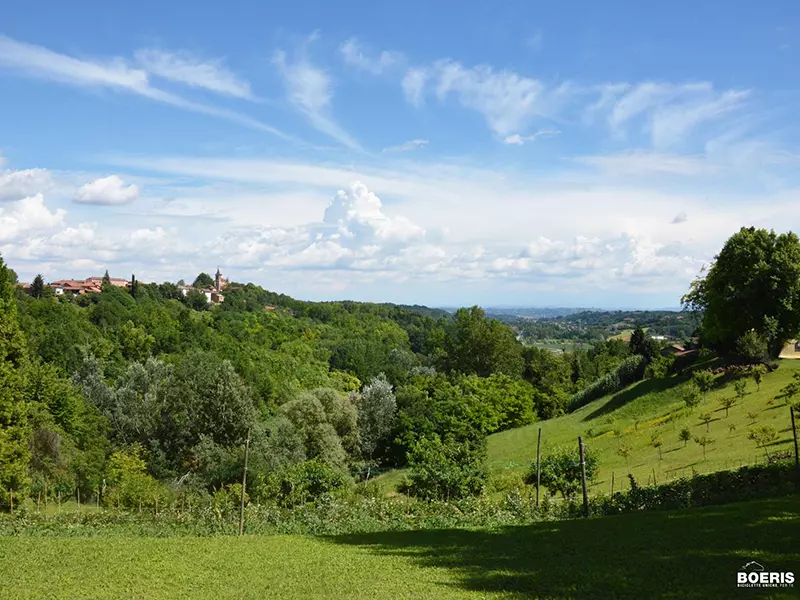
(629, 370)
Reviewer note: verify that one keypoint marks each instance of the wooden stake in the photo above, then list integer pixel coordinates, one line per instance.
(45, 497)
(612, 483)
(79, 497)
(11, 498)
(654, 476)
(583, 478)
(244, 482)
(796, 453)
(538, 466)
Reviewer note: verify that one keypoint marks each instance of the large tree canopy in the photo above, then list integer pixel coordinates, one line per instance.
(753, 285)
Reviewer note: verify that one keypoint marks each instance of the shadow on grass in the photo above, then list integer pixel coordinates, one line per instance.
(694, 553)
(630, 394)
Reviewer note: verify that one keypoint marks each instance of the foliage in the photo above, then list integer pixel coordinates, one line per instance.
(300, 483)
(14, 431)
(203, 280)
(691, 394)
(377, 408)
(561, 471)
(685, 435)
(763, 436)
(753, 285)
(445, 470)
(703, 442)
(727, 402)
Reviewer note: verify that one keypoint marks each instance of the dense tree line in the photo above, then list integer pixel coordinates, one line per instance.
(131, 389)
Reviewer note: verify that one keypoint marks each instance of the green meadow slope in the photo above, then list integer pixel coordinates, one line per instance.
(686, 554)
(654, 407)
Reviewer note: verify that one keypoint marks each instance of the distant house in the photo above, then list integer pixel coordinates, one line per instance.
(791, 349)
(74, 286)
(673, 350)
(270, 308)
(213, 293)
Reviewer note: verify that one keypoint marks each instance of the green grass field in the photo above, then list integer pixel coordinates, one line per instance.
(689, 554)
(635, 414)
(632, 416)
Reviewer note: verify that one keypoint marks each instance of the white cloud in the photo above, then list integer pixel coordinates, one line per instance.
(668, 112)
(191, 70)
(36, 61)
(645, 163)
(15, 185)
(507, 101)
(27, 216)
(681, 217)
(535, 40)
(407, 146)
(355, 56)
(309, 89)
(519, 140)
(107, 191)
(414, 85)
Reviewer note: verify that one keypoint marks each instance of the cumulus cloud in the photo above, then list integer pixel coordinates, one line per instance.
(355, 216)
(28, 216)
(15, 185)
(109, 190)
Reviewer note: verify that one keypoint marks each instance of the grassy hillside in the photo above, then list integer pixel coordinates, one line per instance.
(689, 554)
(650, 407)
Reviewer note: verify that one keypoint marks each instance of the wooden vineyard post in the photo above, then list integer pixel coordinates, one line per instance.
(583, 478)
(538, 466)
(11, 500)
(796, 454)
(244, 483)
(612, 483)
(654, 476)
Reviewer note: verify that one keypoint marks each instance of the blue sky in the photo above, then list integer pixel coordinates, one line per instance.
(576, 153)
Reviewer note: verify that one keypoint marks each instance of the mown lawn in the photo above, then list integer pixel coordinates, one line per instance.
(658, 555)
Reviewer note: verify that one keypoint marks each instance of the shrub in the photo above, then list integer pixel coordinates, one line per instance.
(300, 483)
(446, 470)
(561, 471)
(629, 370)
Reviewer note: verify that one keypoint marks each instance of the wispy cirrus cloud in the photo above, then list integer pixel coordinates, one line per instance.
(186, 68)
(407, 146)
(356, 56)
(309, 88)
(519, 140)
(36, 61)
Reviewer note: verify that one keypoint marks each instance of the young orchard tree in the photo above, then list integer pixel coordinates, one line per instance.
(740, 387)
(763, 436)
(704, 380)
(758, 376)
(656, 442)
(685, 435)
(624, 451)
(727, 402)
(752, 417)
(704, 441)
(706, 418)
(691, 395)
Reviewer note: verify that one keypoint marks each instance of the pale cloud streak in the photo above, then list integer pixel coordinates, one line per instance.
(36, 61)
(184, 67)
(519, 140)
(356, 56)
(407, 146)
(309, 88)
